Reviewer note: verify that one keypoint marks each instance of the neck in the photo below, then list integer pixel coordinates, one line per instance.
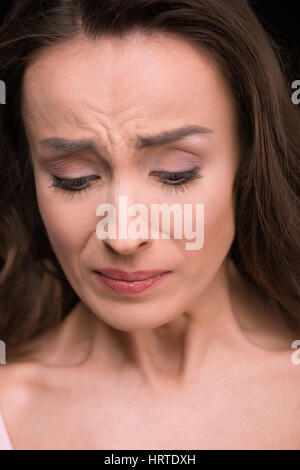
(175, 352)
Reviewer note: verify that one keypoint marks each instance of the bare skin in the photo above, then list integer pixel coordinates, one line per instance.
(198, 362)
(244, 394)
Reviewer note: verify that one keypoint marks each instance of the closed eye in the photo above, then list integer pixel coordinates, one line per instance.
(179, 180)
(173, 180)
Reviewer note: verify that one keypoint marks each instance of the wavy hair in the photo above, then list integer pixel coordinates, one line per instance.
(34, 292)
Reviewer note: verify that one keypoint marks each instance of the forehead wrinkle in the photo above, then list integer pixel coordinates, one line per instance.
(93, 120)
(140, 142)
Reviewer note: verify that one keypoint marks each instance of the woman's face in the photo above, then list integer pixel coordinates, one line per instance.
(110, 92)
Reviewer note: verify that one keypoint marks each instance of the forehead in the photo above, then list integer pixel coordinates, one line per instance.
(111, 83)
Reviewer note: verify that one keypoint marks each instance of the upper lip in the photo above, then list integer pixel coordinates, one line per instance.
(126, 276)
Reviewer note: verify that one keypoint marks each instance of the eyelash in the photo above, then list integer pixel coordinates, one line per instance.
(188, 177)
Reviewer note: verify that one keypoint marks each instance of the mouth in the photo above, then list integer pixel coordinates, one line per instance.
(126, 276)
(130, 283)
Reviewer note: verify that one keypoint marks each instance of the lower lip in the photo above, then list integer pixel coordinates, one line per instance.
(130, 288)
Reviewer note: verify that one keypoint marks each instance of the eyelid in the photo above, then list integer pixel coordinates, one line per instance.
(180, 159)
(64, 183)
(75, 178)
(188, 177)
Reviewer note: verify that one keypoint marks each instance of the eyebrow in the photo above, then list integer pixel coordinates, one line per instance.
(141, 142)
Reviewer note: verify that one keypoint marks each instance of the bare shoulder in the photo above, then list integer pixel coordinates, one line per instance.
(39, 366)
(19, 382)
(16, 380)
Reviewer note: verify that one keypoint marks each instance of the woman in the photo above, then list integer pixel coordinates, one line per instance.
(163, 102)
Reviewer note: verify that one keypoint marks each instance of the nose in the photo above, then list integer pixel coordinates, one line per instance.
(127, 246)
(129, 223)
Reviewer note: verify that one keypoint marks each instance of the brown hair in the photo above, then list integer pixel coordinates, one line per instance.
(34, 292)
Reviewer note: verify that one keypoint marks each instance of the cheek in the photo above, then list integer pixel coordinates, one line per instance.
(67, 229)
(219, 209)
(219, 224)
(219, 230)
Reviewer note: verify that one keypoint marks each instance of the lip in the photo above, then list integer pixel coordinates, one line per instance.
(134, 286)
(126, 276)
